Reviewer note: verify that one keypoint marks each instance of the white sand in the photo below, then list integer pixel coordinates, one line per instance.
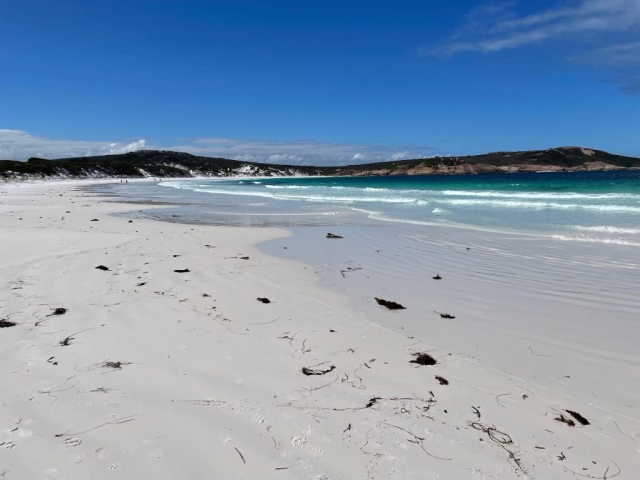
(212, 386)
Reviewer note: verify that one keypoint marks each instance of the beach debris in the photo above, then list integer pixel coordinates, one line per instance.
(562, 456)
(56, 312)
(578, 417)
(422, 358)
(114, 365)
(389, 305)
(372, 402)
(331, 330)
(67, 341)
(501, 439)
(563, 419)
(71, 442)
(130, 221)
(437, 277)
(263, 300)
(241, 456)
(243, 258)
(50, 360)
(141, 284)
(184, 270)
(176, 256)
(446, 315)
(101, 390)
(348, 270)
(442, 380)
(309, 371)
(333, 235)
(206, 295)
(476, 411)
(94, 220)
(5, 323)
(103, 268)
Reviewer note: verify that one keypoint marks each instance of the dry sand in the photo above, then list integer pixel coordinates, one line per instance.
(150, 373)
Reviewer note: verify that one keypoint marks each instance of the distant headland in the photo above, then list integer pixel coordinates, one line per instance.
(165, 164)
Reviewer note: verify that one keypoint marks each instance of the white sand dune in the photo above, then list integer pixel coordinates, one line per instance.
(156, 374)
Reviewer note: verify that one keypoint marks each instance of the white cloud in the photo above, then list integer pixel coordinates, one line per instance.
(495, 29)
(20, 145)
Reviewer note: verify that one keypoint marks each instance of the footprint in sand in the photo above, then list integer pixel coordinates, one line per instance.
(71, 442)
(298, 442)
(393, 473)
(315, 451)
(304, 464)
(257, 418)
(114, 466)
(431, 432)
(430, 474)
(287, 454)
(77, 458)
(478, 474)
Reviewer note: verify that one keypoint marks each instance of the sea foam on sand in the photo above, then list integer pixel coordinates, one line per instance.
(152, 373)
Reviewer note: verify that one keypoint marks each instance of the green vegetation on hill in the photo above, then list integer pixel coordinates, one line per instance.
(151, 163)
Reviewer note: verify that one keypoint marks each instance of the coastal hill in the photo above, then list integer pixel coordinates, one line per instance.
(153, 163)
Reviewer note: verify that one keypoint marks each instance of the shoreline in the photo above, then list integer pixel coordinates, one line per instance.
(212, 386)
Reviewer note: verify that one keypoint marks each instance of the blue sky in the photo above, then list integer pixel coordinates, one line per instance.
(318, 82)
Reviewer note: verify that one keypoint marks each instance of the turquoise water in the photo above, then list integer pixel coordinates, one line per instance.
(588, 206)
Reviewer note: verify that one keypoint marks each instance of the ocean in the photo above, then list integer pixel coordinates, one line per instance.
(599, 207)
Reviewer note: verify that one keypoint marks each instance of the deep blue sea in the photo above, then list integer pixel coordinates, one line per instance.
(601, 207)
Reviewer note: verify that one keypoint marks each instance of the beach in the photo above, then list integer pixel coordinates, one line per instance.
(163, 363)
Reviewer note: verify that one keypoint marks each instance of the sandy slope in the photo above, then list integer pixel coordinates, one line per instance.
(211, 386)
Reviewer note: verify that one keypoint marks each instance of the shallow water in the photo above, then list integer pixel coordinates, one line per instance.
(602, 207)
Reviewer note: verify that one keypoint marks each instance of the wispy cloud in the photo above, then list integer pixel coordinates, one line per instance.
(20, 145)
(306, 152)
(494, 28)
(612, 25)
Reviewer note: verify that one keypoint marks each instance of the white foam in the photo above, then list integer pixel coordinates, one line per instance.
(542, 205)
(579, 238)
(540, 195)
(609, 229)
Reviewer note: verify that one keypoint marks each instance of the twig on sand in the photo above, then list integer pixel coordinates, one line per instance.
(67, 341)
(240, 453)
(311, 390)
(53, 390)
(477, 412)
(626, 434)
(499, 438)
(537, 354)
(114, 422)
(498, 401)
(605, 476)
(417, 440)
(267, 323)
